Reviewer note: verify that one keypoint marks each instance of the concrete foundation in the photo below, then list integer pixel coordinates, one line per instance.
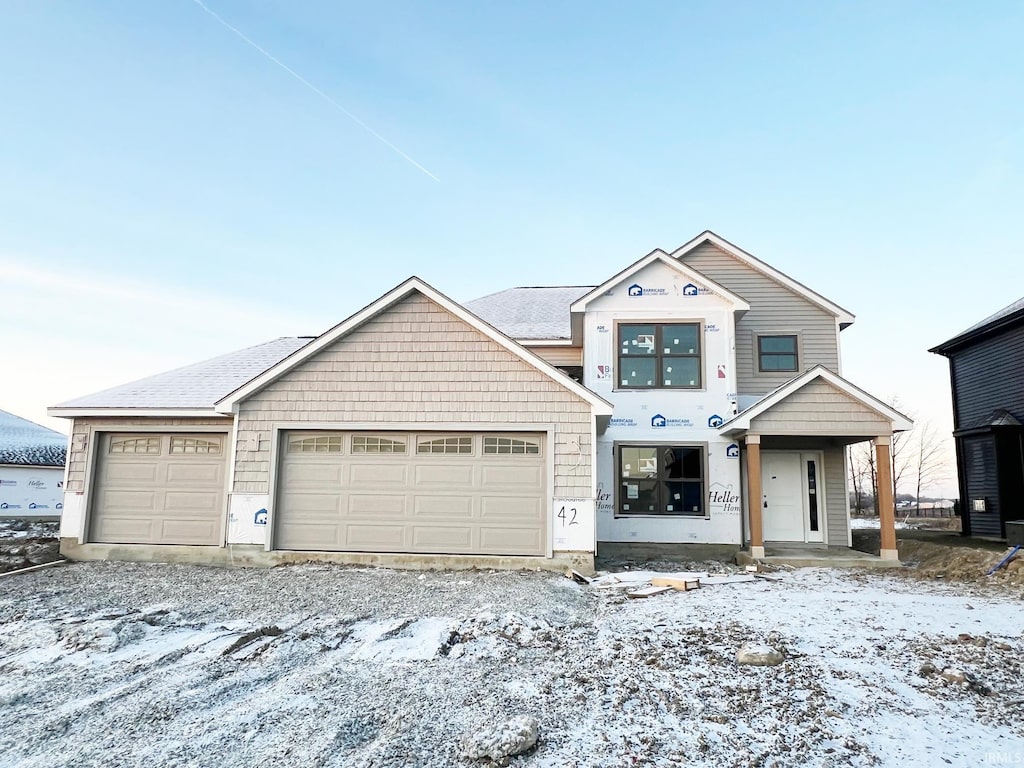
(614, 551)
(797, 556)
(255, 556)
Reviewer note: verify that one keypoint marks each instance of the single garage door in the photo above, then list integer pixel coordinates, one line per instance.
(452, 493)
(159, 489)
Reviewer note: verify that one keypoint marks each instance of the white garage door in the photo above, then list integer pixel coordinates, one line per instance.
(158, 489)
(452, 493)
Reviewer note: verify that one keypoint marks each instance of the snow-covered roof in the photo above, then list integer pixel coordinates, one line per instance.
(530, 313)
(196, 386)
(25, 442)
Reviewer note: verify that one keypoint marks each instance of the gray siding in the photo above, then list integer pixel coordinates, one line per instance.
(836, 496)
(773, 308)
(987, 376)
(818, 408)
(415, 363)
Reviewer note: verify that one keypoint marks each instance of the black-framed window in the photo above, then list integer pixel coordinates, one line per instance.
(659, 355)
(661, 480)
(777, 353)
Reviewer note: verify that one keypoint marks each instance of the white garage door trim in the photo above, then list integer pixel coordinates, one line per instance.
(547, 429)
(94, 439)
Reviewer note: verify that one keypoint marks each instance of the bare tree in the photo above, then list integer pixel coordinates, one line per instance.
(929, 463)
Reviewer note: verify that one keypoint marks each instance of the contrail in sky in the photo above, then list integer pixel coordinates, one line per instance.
(313, 88)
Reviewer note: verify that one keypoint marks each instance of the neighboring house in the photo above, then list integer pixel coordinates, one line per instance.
(986, 368)
(31, 468)
(457, 435)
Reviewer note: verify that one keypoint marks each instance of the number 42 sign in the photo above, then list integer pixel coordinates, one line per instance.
(573, 525)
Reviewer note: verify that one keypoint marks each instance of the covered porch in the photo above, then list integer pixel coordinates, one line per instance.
(794, 467)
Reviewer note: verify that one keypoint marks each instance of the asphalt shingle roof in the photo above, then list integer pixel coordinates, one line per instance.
(199, 385)
(530, 313)
(25, 442)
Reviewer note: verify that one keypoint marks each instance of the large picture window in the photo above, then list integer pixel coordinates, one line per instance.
(659, 355)
(661, 480)
(777, 353)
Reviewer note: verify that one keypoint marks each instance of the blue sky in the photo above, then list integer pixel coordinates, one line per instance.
(167, 193)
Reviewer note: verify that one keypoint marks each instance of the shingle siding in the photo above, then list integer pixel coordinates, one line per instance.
(415, 363)
(816, 409)
(773, 308)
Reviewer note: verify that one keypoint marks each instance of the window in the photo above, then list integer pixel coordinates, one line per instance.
(374, 444)
(777, 353)
(661, 480)
(135, 445)
(510, 445)
(462, 444)
(658, 355)
(194, 445)
(316, 444)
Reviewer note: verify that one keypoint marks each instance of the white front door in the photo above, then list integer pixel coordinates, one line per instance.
(792, 508)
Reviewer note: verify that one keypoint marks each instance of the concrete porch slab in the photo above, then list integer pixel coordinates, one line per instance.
(816, 557)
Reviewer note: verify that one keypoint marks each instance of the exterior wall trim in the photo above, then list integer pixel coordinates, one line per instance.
(115, 413)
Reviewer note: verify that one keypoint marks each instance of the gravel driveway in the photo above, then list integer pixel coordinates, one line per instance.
(119, 664)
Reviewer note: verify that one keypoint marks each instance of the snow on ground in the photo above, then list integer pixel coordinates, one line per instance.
(119, 664)
(865, 523)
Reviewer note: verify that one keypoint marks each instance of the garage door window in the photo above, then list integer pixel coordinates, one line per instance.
(374, 444)
(317, 444)
(510, 446)
(446, 445)
(135, 445)
(194, 445)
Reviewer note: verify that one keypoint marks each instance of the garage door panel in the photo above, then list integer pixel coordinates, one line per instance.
(376, 475)
(128, 472)
(513, 476)
(518, 541)
(446, 476)
(461, 498)
(523, 510)
(187, 504)
(144, 493)
(376, 538)
(377, 505)
(310, 536)
(188, 531)
(450, 539)
(305, 475)
(191, 474)
(443, 507)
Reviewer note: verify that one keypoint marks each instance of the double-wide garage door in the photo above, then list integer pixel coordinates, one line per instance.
(158, 489)
(450, 493)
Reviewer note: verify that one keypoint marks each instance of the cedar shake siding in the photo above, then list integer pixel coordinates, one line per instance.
(816, 409)
(415, 363)
(774, 308)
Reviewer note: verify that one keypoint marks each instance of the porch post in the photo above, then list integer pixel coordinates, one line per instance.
(886, 507)
(754, 495)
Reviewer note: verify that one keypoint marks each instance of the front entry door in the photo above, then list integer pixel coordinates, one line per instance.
(791, 508)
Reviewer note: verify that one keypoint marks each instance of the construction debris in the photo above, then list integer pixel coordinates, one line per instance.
(576, 576)
(679, 585)
(647, 591)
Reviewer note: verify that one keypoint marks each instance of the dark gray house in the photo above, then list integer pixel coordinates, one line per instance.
(986, 367)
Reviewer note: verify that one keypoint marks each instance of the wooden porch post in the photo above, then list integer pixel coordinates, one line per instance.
(755, 495)
(886, 505)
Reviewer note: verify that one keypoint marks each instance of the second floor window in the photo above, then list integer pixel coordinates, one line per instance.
(776, 353)
(659, 355)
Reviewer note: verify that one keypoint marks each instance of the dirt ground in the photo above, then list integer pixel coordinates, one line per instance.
(125, 664)
(24, 543)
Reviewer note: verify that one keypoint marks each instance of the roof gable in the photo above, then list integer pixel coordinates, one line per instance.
(412, 285)
(655, 257)
(844, 316)
(742, 421)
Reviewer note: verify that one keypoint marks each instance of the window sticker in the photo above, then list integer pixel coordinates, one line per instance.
(669, 508)
(632, 491)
